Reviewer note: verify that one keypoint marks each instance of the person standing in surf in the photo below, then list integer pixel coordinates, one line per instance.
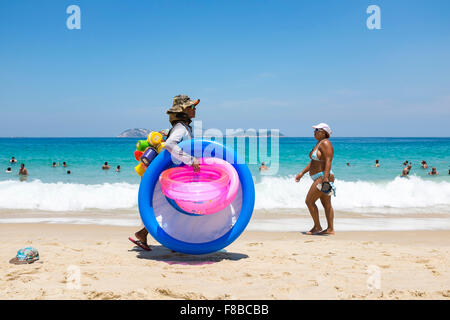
(322, 187)
(180, 117)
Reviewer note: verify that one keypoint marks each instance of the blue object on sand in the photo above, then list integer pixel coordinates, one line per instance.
(194, 234)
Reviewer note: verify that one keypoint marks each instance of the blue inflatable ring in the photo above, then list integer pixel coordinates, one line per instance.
(161, 163)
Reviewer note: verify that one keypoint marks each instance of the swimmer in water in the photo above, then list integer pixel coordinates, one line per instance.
(68, 171)
(118, 168)
(64, 164)
(433, 172)
(424, 164)
(106, 166)
(377, 163)
(13, 160)
(54, 164)
(8, 170)
(23, 171)
(263, 167)
(405, 171)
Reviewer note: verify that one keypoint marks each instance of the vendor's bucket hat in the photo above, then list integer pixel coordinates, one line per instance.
(181, 102)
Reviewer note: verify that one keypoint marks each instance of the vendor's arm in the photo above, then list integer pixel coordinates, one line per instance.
(171, 145)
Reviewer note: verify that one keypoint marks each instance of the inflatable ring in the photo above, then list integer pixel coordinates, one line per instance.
(201, 192)
(190, 242)
(182, 183)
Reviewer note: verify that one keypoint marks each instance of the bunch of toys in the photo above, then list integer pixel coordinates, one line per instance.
(147, 150)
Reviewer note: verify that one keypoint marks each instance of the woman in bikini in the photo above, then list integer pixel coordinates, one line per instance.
(320, 171)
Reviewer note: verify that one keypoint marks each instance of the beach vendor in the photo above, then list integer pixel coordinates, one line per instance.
(323, 179)
(180, 117)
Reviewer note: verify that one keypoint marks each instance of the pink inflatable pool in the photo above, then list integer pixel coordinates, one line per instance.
(208, 191)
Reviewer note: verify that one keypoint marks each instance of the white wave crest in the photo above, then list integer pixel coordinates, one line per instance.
(411, 195)
(67, 196)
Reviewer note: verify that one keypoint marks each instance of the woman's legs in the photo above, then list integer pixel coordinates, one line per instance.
(311, 198)
(329, 213)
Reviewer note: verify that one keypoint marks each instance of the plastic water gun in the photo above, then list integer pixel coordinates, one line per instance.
(147, 150)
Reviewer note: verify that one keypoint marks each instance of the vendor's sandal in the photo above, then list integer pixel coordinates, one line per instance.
(140, 244)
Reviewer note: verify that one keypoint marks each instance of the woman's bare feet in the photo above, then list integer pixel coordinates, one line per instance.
(314, 230)
(327, 231)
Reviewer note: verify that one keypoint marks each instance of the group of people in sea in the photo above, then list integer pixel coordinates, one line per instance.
(24, 172)
(407, 165)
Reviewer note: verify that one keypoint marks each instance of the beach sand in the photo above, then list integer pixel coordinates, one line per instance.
(98, 262)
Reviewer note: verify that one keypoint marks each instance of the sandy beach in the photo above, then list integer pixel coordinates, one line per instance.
(98, 262)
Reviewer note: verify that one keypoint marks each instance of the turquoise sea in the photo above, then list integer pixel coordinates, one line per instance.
(361, 187)
(85, 156)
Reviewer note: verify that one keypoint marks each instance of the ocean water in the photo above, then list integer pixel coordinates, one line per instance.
(362, 189)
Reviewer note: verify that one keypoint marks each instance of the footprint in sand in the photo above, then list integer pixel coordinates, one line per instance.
(251, 244)
(101, 295)
(91, 275)
(313, 283)
(445, 294)
(179, 295)
(417, 293)
(422, 261)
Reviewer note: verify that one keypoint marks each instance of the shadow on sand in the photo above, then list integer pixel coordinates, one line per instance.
(161, 253)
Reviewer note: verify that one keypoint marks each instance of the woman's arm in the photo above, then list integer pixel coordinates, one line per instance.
(327, 151)
(301, 174)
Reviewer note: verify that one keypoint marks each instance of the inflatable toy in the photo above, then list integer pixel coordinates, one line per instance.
(208, 191)
(154, 139)
(161, 146)
(147, 150)
(180, 230)
(146, 158)
(141, 145)
(138, 154)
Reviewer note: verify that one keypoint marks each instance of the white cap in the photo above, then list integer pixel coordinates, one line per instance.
(324, 127)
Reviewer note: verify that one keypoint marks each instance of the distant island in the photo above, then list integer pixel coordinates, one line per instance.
(134, 133)
(143, 133)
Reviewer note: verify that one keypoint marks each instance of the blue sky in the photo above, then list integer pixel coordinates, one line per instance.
(253, 63)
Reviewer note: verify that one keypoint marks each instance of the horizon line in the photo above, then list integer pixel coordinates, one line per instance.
(116, 137)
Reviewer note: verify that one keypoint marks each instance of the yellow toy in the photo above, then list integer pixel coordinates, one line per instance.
(160, 147)
(154, 138)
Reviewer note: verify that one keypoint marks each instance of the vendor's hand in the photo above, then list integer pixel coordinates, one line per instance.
(195, 165)
(299, 176)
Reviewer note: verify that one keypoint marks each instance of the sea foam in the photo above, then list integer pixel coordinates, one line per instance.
(413, 195)
(67, 196)
(401, 195)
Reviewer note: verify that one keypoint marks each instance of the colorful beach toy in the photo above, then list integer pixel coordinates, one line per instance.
(176, 223)
(154, 139)
(208, 191)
